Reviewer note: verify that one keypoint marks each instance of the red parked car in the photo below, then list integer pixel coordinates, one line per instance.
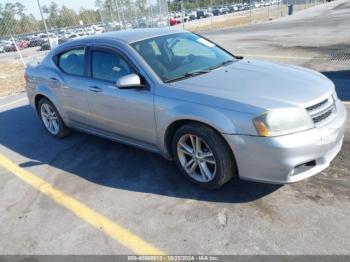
(22, 44)
(172, 21)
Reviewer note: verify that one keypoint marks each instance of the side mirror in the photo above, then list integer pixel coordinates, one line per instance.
(129, 81)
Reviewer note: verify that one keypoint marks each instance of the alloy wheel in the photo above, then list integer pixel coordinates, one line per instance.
(196, 158)
(49, 118)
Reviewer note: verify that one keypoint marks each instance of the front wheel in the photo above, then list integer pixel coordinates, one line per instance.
(203, 156)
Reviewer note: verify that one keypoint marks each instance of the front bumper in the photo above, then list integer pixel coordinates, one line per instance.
(289, 158)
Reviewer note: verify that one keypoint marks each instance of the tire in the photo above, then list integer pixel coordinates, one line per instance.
(45, 106)
(213, 155)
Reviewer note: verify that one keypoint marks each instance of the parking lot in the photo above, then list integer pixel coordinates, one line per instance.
(87, 195)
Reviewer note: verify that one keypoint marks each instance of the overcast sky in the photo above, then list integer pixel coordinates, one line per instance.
(32, 5)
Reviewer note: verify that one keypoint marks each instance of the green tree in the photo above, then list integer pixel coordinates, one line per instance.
(89, 16)
(141, 4)
(108, 5)
(28, 24)
(53, 19)
(68, 17)
(45, 10)
(20, 8)
(8, 21)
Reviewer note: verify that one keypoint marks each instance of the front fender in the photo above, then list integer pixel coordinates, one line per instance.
(200, 113)
(219, 119)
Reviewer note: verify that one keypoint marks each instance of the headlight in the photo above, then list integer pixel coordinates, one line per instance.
(335, 96)
(279, 122)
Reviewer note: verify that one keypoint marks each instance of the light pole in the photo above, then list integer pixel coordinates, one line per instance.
(211, 13)
(182, 15)
(136, 17)
(117, 6)
(250, 11)
(42, 18)
(151, 11)
(160, 12)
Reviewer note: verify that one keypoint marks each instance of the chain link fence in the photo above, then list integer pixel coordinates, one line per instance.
(28, 31)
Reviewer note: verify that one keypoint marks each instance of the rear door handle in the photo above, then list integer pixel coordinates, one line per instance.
(53, 79)
(95, 89)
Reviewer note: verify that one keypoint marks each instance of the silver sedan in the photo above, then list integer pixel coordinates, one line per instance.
(178, 94)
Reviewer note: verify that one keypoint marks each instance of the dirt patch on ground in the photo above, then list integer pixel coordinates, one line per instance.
(11, 79)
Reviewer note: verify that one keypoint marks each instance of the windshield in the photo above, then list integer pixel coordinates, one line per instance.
(177, 56)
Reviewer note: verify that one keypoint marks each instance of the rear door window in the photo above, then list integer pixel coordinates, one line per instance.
(73, 61)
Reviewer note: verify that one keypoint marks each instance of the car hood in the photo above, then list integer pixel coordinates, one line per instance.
(260, 85)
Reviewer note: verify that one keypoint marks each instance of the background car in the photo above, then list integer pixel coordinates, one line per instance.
(192, 15)
(10, 47)
(34, 41)
(202, 14)
(172, 21)
(216, 11)
(22, 43)
(45, 46)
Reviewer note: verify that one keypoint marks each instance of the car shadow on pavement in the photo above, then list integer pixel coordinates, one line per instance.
(341, 80)
(110, 163)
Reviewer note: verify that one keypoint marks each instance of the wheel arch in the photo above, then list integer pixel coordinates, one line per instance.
(37, 99)
(45, 92)
(169, 120)
(42, 91)
(175, 125)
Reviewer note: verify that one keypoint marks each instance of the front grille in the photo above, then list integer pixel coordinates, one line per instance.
(310, 108)
(321, 111)
(323, 116)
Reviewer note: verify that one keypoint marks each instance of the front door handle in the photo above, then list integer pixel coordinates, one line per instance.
(95, 89)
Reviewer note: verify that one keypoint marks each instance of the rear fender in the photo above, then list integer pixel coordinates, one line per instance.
(43, 90)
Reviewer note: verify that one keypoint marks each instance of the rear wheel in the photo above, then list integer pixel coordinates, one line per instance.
(203, 156)
(51, 119)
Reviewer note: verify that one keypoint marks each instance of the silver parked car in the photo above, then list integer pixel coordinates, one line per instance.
(176, 93)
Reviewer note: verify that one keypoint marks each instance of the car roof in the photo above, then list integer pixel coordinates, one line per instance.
(127, 36)
(134, 35)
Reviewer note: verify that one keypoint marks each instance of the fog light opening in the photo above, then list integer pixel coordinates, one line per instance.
(304, 167)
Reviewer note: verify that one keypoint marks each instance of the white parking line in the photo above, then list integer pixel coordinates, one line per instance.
(13, 102)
